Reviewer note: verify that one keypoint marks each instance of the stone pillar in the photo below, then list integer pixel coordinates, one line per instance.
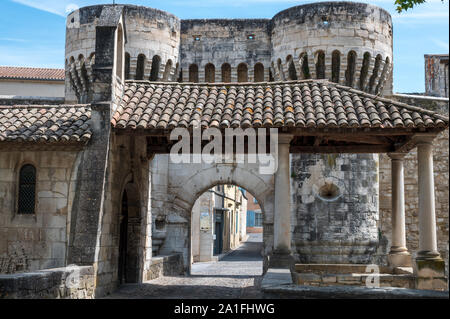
(399, 255)
(429, 267)
(281, 257)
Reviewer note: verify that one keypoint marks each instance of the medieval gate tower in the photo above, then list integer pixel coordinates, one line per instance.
(343, 42)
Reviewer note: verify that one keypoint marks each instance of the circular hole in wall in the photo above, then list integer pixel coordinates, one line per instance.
(160, 223)
(329, 192)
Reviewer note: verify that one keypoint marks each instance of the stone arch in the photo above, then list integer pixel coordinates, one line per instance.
(140, 66)
(210, 73)
(258, 72)
(130, 253)
(351, 68)
(292, 72)
(304, 66)
(335, 65)
(242, 72)
(167, 70)
(127, 65)
(156, 64)
(193, 73)
(196, 179)
(320, 64)
(226, 73)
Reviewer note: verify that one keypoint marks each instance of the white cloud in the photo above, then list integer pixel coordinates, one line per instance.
(56, 7)
(13, 40)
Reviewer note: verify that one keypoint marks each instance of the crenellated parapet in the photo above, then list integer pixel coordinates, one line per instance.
(345, 42)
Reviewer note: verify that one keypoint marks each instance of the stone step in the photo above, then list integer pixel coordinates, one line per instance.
(338, 268)
(354, 279)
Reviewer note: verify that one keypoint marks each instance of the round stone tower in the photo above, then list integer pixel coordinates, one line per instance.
(151, 45)
(345, 42)
(335, 197)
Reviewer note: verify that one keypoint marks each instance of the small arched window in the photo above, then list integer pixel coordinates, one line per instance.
(193, 73)
(140, 66)
(27, 189)
(226, 73)
(320, 64)
(156, 64)
(127, 65)
(210, 73)
(292, 72)
(335, 66)
(259, 72)
(305, 66)
(242, 71)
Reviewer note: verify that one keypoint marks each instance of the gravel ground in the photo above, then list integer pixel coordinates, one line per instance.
(237, 275)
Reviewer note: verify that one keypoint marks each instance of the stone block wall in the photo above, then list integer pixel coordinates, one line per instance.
(334, 208)
(218, 41)
(71, 282)
(152, 32)
(38, 241)
(170, 265)
(128, 169)
(436, 75)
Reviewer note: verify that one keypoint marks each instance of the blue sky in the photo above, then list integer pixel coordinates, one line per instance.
(32, 32)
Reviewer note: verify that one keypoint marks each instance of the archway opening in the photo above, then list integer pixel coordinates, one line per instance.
(129, 236)
(226, 232)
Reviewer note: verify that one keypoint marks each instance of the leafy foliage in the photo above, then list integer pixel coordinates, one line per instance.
(404, 5)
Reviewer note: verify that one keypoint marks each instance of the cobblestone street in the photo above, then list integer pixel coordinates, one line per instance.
(237, 275)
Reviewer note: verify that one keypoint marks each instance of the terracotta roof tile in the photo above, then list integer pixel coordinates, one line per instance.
(37, 123)
(22, 73)
(310, 103)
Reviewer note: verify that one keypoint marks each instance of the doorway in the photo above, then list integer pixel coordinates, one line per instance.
(123, 242)
(218, 232)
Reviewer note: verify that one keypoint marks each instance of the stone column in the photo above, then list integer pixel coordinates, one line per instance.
(399, 255)
(429, 267)
(282, 257)
(427, 215)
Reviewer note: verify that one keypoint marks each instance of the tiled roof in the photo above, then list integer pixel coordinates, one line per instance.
(52, 124)
(302, 104)
(22, 73)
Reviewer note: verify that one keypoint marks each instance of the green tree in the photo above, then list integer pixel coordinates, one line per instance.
(407, 4)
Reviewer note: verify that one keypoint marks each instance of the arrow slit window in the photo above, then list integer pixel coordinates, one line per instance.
(27, 190)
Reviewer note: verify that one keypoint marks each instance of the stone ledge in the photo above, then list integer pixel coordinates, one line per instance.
(340, 292)
(165, 265)
(49, 284)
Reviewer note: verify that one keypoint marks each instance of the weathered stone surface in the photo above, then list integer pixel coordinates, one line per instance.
(339, 292)
(71, 282)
